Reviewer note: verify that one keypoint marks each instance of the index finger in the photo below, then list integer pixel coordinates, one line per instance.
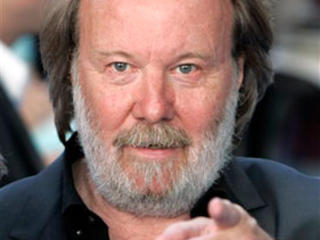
(224, 213)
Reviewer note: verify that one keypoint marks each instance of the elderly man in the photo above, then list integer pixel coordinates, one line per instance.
(160, 92)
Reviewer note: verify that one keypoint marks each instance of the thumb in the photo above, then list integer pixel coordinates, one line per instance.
(224, 213)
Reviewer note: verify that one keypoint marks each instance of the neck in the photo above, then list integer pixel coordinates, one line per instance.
(121, 225)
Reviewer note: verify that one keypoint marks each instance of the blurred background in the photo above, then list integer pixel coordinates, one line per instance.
(285, 127)
(28, 140)
(286, 124)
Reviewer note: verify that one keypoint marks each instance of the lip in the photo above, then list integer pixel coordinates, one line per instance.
(153, 154)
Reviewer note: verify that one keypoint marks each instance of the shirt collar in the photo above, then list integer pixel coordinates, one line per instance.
(73, 152)
(240, 186)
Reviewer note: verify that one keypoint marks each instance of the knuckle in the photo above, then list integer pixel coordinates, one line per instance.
(177, 227)
(174, 229)
(226, 201)
(239, 208)
(252, 222)
(202, 219)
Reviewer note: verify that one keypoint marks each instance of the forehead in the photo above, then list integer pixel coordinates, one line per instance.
(155, 22)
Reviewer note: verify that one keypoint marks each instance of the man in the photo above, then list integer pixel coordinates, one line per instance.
(156, 89)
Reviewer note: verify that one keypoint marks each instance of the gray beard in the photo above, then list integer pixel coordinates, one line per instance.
(204, 163)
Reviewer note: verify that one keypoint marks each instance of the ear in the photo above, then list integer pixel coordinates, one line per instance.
(240, 68)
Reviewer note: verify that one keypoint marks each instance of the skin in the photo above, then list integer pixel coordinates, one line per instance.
(154, 38)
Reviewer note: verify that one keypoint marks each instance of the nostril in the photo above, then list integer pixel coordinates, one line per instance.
(154, 100)
(154, 110)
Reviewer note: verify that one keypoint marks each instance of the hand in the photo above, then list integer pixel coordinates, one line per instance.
(227, 221)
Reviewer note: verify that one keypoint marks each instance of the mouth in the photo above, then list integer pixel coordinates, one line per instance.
(153, 152)
(156, 146)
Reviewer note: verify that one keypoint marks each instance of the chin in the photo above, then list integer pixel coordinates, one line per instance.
(152, 176)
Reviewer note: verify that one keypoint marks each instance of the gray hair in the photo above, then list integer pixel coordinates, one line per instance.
(252, 40)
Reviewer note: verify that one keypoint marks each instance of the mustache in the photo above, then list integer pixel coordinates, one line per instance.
(158, 136)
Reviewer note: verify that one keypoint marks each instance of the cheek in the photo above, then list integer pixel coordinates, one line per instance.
(109, 107)
(201, 111)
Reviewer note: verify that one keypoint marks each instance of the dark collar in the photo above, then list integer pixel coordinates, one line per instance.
(73, 153)
(79, 222)
(234, 185)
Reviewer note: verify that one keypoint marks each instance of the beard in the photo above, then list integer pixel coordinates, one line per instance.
(181, 182)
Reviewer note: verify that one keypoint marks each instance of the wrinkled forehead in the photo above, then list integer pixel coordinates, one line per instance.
(192, 12)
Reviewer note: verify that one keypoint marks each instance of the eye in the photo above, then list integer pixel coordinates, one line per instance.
(120, 66)
(186, 68)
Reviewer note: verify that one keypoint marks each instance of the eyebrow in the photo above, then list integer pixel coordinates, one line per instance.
(194, 55)
(111, 53)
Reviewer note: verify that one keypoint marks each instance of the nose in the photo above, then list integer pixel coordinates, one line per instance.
(155, 99)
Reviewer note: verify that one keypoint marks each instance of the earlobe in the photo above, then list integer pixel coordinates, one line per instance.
(240, 71)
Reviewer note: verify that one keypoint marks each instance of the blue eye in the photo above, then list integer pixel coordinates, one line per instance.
(186, 68)
(120, 66)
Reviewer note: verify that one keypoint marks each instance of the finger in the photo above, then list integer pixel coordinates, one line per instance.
(224, 213)
(255, 233)
(186, 230)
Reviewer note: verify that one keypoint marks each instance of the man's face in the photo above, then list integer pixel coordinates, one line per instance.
(155, 78)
